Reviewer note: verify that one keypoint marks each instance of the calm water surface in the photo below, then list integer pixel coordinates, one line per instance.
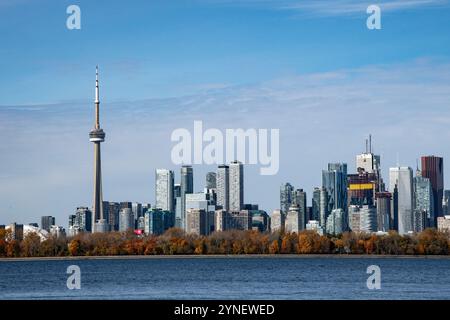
(228, 278)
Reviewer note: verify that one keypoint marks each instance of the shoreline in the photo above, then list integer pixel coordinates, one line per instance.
(234, 256)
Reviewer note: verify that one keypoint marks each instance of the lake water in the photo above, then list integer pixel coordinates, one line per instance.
(278, 278)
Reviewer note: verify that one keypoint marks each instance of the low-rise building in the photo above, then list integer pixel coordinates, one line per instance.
(314, 225)
(444, 223)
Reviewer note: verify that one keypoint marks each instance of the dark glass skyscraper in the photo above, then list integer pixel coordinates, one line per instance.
(315, 209)
(299, 199)
(47, 222)
(186, 186)
(334, 180)
(286, 193)
(433, 169)
(211, 180)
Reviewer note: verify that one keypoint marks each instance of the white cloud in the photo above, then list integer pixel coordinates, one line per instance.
(336, 7)
(46, 156)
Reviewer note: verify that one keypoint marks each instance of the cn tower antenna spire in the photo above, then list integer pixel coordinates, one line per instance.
(97, 101)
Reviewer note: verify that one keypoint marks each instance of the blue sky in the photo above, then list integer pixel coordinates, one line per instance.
(310, 68)
(158, 49)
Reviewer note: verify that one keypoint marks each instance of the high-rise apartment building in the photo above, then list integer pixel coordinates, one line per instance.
(235, 220)
(197, 222)
(126, 220)
(335, 222)
(295, 220)
(164, 189)
(223, 187)
(236, 181)
(277, 221)
(354, 217)
(368, 219)
(81, 221)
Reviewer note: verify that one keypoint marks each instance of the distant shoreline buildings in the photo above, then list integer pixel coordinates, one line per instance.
(358, 202)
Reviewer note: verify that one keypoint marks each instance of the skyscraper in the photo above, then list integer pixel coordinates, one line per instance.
(187, 186)
(354, 218)
(433, 169)
(197, 222)
(164, 189)
(402, 179)
(393, 220)
(126, 220)
(334, 180)
(361, 188)
(277, 221)
(154, 222)
(223, 187)
(47, 222)
(177, 204)
(335, 222)
(299, 198)
(97, 136)
(81, 221)
(368, 219)
(113, 215)
(323, 207)
(369, 163)
(315, 214)
(295, 221)
(176, 190)
(286, 192)
(446, 203)
(236, 180)
(383, 201)
(211, 180)
(423, 203)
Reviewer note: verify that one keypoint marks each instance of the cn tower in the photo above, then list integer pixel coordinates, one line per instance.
(97, 136)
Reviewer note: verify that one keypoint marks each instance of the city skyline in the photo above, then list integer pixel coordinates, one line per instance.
(166, 198)
(264, 68)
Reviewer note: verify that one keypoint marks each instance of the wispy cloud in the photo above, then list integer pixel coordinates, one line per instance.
(336, 7)
(45, 153)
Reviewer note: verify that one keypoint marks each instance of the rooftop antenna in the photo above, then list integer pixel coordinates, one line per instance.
(370, 143)
(366, 146)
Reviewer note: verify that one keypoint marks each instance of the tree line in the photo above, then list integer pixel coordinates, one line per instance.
(175, 241)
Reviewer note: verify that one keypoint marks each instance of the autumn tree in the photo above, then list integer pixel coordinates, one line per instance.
(30, 246)
(75, 247)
